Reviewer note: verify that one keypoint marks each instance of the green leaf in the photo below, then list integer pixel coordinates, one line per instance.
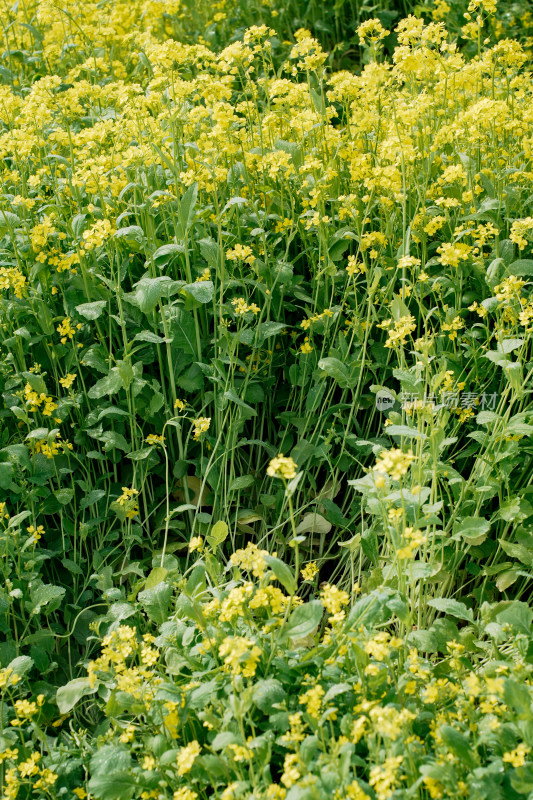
(167, 253)
(6, 474)
(452, 607)
(187, 208)
(91, 310)
(64, 496)
(218, 533)
(210, 251)
(473, 530)
(183, 331)
(114, 441)
(202, 291)
(20, 665)
(234, 397)
(304, 620)
(155, 577)
(508, 345)
(335, 369)
(524, 266)
(43, 595)
(150, 291)
(241, 483)
(267, 693)
(113, 786)
(67, 696)
(405, 430)
(155, 601)
(148, 336)
(458, 743)
(518, 697)
(518, 615)
(131, 235)
(8, 220)
(283, 573)
(109, 384)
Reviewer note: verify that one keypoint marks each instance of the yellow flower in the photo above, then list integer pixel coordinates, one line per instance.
(393, 462)
(184, 793)
(196, 543)
(312, 700)
(154, 439)
(67, 381)
(200, 425)
(187, 756)
(66, 330)
(241, 253)
(240, 655)
(371, 29)
(517, 757)
(36, 532)
(309, 571)
(282, 467)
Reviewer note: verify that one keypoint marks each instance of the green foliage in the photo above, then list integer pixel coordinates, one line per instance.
(264, 282)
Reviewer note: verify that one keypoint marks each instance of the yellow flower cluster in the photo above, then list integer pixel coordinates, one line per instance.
(393, 463)
(282, 467)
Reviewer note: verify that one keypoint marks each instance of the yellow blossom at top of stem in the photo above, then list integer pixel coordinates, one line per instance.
(371, 30)
(200, 425)
(67, 381)
(394, 463)
(309, 571)
(187, 756)
(282, 467)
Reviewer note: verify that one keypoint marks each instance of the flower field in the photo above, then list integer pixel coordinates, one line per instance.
(266, 440)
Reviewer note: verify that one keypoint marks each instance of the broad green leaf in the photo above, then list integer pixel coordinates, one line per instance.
(113, 786)
(6, 474)
(202, 291)
(218, 533)
(335, 369)
(283, 573)
(518, 615)
(150, 291)
(267, 693)
(20, 665)
(304, 620)
(210, 251)
(64, 496)
(92, 310)
(405, 430)
(241, 483)
(43, 595)
(230, 394)
(148, 336)
(133, 234)
(313, 523)
(114, 441)
(155, 601)
(452, 607)
(109, 384)
(183, 331)
(68, 695)
(155, 577)
(524, 266)
(458, 744)
(187, 207)
(473, 530)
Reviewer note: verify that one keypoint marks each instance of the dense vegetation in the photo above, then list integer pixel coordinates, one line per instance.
(266, 509)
